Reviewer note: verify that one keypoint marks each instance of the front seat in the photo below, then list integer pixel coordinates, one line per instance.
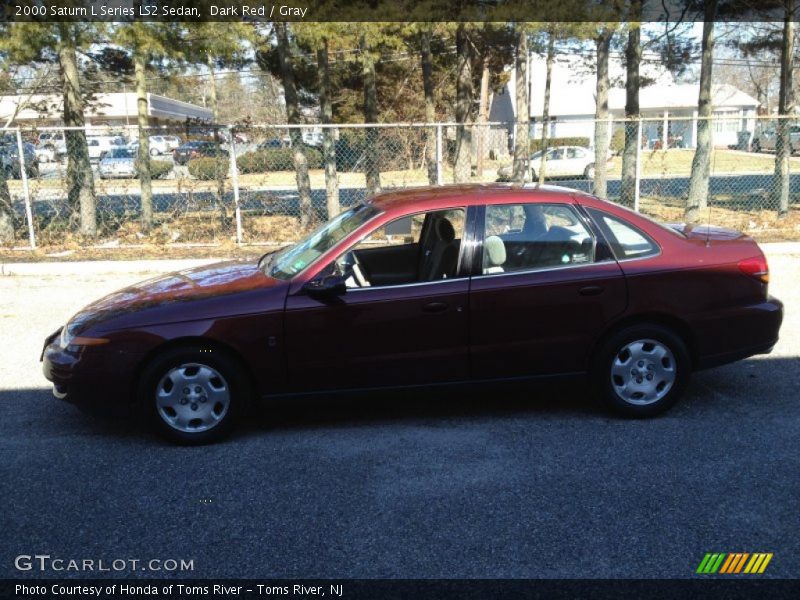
(494, 255)
(441, 260)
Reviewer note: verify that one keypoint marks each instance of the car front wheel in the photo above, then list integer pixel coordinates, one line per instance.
(589, 172)
(193, 395)
(642, 370)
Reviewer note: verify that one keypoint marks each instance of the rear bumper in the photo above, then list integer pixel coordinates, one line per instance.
(740, 333)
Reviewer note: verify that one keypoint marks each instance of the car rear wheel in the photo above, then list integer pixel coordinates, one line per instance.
(154, 152)
(642, 370)
(588, 173)
(193, 395)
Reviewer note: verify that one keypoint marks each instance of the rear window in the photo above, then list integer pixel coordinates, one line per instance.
(627, 241)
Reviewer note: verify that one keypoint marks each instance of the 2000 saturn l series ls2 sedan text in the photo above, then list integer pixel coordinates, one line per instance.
(428, 286)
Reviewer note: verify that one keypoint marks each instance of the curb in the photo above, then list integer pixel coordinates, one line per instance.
(102, 267)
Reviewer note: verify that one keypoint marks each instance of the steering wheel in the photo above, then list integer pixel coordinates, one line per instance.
(350, 259)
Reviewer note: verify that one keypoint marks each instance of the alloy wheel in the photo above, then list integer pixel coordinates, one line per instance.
(192, 398)
(643, 372)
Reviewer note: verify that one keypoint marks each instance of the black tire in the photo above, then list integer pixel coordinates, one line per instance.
(756, 146)
(231, 376)
(588, 172)
(612, 352)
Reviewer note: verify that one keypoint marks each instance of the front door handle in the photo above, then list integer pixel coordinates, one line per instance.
(435, 307)
(591, 290)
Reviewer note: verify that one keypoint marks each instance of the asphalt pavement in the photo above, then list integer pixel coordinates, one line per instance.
(494, 482)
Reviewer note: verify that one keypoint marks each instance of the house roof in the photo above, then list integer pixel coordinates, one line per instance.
(113, 105)
(572, 90)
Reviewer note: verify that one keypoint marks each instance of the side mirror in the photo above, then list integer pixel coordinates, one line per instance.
(327, 287)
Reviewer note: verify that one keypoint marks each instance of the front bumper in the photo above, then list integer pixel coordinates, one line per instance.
(98, 379)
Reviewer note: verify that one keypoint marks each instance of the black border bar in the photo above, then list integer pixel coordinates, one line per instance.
(730, 588)
(265, 11)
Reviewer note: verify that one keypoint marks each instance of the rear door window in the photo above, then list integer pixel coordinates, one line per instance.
(524, 237)
(627, 241)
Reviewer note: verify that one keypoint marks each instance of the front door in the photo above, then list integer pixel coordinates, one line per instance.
(403, 319)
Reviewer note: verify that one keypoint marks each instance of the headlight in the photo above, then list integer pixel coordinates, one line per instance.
(68, 337)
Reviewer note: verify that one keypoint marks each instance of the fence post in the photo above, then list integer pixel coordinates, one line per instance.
(439, 166)
(638, 179)
(25, 191)
(235, 185)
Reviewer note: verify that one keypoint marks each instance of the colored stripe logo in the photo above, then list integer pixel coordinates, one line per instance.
(734, 562)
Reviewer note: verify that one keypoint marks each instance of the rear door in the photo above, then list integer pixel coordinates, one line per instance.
(539, 311)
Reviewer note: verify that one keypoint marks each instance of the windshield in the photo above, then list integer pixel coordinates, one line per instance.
(293, 260)
(120, 153)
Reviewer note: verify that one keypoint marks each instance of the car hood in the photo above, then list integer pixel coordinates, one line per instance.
(211, 291)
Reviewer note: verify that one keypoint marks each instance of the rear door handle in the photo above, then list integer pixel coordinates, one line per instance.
(435, 307)
(591, 290)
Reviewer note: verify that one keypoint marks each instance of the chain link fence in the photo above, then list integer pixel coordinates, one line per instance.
(207, 185)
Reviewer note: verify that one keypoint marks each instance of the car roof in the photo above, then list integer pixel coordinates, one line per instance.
(444, 196)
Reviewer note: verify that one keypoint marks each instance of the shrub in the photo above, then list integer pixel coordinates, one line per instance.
(394, 149)
(208, 168)
(617, 144)
(536, 144)
(276, 159)
(160, 168)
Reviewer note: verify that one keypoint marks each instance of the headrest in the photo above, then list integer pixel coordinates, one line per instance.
(445, 230)
(495, 251)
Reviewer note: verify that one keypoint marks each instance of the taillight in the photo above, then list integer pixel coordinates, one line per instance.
(755, 267)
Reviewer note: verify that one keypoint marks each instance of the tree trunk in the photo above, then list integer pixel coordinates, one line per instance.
(633, 56)
(430, 107)
(328, 142)
(143, 160)
(371, 156)
(603, 48)
(6, 210)
(293, 117)
(80, 180)
(483, 117)
(783, 143)
(697, 199)
(463, 158)
(522, 147)
(546, 107)
(212, 81)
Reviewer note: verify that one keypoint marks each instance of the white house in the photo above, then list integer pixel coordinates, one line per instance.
(114, 109)
(669, 108)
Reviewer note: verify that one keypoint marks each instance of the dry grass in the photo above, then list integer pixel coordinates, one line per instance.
(659, 163)
(763, 225)
(202, 235)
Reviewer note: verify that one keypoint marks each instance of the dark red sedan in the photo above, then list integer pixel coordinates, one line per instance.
(428, 286)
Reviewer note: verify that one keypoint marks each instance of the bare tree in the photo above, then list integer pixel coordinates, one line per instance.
(551, 53)
(522, 147)
(701, 163)
(328, 143)
(783, 147)
(601, 133)
(293, 117)
(464, 93)
(633, 58)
